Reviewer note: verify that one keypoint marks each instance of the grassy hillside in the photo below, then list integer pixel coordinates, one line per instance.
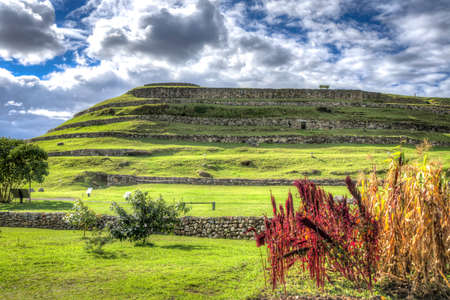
(170, 157)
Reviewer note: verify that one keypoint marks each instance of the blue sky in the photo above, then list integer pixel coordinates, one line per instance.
(59, 57)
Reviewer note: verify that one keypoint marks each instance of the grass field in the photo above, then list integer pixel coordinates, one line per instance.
(52, 264)
(230, 200)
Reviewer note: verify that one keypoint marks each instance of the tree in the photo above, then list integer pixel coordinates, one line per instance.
(149, 216)
(20, 163)
(31, 162)
(81, 217)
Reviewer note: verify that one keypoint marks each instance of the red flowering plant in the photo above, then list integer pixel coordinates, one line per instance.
(323, 235)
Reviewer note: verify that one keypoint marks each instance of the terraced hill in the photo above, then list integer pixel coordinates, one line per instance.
(176, 133)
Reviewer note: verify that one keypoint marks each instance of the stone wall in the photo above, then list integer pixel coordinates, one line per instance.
(252, 140)
(103, 152)
(41, 220)
(224, 93)
(217, 227)
(295, 123)
(117, 179)
(243, 102)
(220, 227)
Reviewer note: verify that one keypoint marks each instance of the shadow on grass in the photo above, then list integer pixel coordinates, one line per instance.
(184, 247)
(144, 244)
(37, 205)
(105, 254)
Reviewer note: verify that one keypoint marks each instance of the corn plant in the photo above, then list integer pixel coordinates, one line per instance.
(412, 206)
(323, 235)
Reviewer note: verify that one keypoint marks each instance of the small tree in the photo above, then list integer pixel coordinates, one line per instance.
(8, 169)
(20, 163)
(149, 216)
(31, 162)
(81, 217)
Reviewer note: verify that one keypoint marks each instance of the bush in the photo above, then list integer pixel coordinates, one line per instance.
(322, 234)
(413, 208)
(149, 216)
(95, 243)
(81, 217)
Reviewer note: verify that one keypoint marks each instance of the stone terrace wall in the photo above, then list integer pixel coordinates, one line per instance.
(223, 93)
(281, 122)
(444, 110)
(252, 140)
(117, 179)
(217, 227)
(104, 152)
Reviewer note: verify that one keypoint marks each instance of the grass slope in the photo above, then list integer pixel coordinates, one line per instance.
(184, 159)
(302, 112)
(172, 158)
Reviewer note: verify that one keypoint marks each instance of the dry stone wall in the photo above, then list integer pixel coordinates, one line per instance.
(41, 220)
(103, 152)
(224, 93)
(251, 140)
(117, 179)
(295, 123)
(212, 227)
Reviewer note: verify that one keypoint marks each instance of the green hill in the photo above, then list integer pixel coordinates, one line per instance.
(179, 136)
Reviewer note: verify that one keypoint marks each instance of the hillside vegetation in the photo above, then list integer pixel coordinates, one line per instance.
(188, 136)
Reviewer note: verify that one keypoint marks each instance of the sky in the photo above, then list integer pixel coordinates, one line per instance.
(59, 57)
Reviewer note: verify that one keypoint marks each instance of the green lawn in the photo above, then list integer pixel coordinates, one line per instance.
(52, 264)
(230, 200)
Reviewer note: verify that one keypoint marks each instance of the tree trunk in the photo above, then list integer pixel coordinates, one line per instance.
(29, 189)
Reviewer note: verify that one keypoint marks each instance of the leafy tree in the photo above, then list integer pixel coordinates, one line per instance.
(81, 217)
(20, 163)
(32, 163)
(149, 216)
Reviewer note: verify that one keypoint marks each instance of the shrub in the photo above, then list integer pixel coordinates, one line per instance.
(149, 216)
(322, 233)
(95, 243)
(81, 217)
(413, 208)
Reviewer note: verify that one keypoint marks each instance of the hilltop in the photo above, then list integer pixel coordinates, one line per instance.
(178, 133)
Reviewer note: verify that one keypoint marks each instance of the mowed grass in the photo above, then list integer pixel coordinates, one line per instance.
(230, 200)
(52, 264)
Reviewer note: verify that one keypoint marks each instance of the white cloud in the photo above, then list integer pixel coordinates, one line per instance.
(292, 44)
(58, 115)
(13, 103)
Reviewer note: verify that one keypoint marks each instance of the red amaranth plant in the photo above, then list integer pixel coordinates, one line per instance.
(324, 235)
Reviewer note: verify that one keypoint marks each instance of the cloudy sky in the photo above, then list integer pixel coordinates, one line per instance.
(61, 56)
